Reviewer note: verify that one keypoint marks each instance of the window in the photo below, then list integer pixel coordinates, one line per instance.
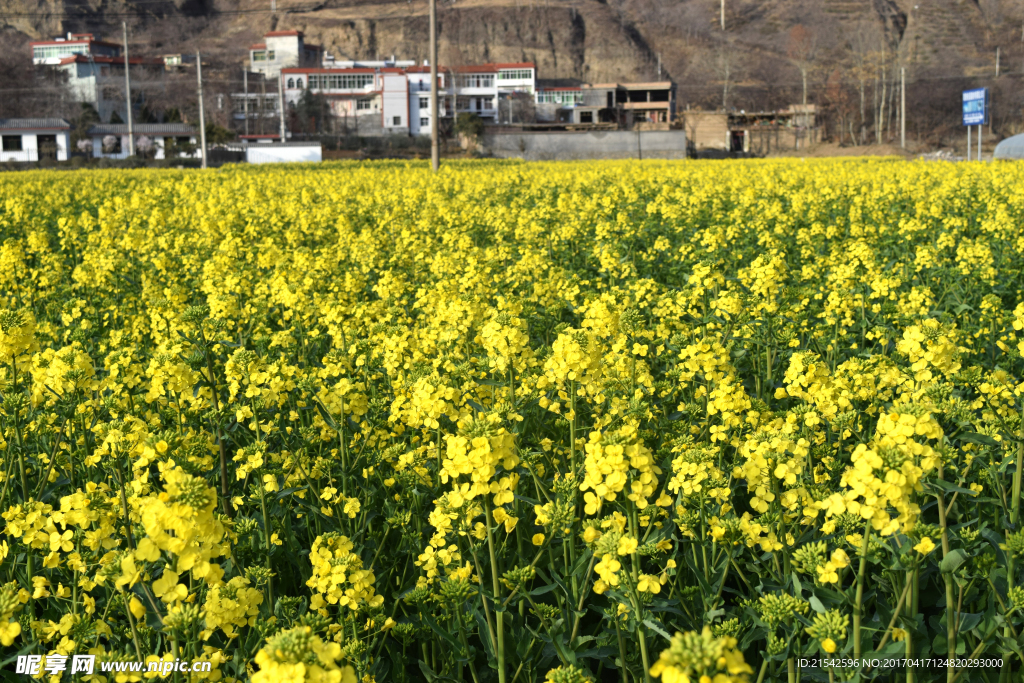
(363, 104)
(424, 122)
(291, 82)
(515, 74)
(314, 81)
(270, 55)
(477, 81)
(51, 51)
(344, 81)
(424, 103)
(397, 121)
(12, 143)
(298, 83)
(560, 97)
(259, 56)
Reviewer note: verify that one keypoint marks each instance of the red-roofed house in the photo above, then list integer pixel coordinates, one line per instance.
(52, 51)
(99, 80)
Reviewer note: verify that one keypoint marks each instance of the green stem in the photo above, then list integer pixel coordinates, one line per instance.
(857, 608)
(499, 613)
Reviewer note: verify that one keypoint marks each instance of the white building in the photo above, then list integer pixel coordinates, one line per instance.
(95, 70)
(419, 98)
(111, 140)
(51, 52)
(479, 87)
(366, 100)
(282, 50)
(393, 96)
(99, 81)
(34, 139)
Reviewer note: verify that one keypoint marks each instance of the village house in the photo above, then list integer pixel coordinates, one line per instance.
(34, 139)
(164, 140)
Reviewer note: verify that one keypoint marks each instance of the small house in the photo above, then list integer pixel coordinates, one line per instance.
(153, 140)
(34, 139)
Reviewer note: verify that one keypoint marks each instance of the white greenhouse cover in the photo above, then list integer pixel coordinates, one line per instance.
(1010, 148)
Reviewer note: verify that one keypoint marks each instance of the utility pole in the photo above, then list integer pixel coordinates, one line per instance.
(903, 107)
(997, 62)
(723, 15)
(245, 103)
(202, 112)
(435, 149)
(659, 66)
(280, 101)
(128, 90)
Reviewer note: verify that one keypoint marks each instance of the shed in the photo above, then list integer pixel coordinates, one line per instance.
(34, 139)
(110, 140)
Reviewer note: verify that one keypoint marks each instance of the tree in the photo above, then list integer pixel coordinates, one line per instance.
(802, 50)
(143, 146)
(218, 135)
(469, 125)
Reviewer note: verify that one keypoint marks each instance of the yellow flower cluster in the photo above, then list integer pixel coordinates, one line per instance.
(698, 657)
(338, 576)
(613, 460)
(300, 656)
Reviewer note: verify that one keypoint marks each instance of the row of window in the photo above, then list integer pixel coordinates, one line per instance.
(336, 81)
(50, 51)
(262, 55)
(46, 145)
(560, 97)
(269, 103)
(476, 81)
(515, 75)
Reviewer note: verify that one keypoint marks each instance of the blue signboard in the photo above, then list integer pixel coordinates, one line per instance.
(976, 107)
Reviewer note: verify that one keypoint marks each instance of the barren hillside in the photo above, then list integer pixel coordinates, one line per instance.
(755, 62)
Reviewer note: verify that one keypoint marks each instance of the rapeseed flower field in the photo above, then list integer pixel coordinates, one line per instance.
(687, 422)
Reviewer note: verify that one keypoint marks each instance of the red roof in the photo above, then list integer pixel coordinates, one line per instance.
(279, 34)
(515, 65)
(258, 46)
(354, 70)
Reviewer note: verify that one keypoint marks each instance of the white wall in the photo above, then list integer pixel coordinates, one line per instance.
(29, 145)
(396, 103)
(158, 141)
(272, 154)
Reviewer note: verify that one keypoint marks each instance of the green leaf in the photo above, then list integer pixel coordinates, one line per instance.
(980, 439)
(951, 562)
(327, 416)
(426, 671)
(656, 627)
(440, 631)
(816, 604)
(950, 488)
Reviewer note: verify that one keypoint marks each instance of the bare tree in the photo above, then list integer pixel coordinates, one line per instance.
(863, 64)
(802, 50)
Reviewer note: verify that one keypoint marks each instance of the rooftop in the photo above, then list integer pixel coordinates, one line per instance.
(33, 124)
(142, 129)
